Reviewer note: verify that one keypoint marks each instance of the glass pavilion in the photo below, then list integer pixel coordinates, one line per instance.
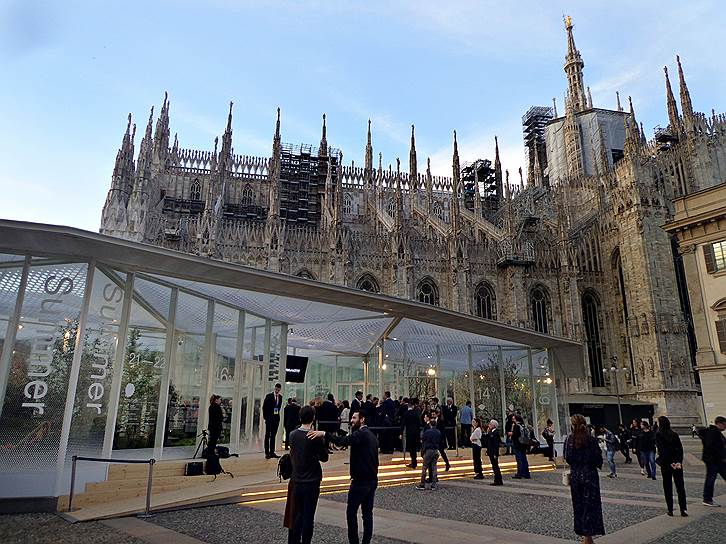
(111, 348)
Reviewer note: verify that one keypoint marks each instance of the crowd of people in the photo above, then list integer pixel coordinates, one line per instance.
(426, 428)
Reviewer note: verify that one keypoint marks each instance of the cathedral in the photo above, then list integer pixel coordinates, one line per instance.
(576, 251)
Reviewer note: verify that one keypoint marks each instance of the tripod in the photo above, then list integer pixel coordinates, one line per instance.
(202, 445)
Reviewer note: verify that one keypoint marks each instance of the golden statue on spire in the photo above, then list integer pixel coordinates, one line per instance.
(568, 22)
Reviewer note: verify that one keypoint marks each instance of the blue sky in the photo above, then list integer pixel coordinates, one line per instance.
(73, 71)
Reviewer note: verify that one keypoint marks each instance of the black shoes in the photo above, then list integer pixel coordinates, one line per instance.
(272, 455)
(670, 513)
(479, 477)
(684, 514)
(497, 483)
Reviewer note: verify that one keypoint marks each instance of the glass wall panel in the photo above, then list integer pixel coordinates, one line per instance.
(143, 365)
(40, 367)
(11, 273)
(225, 352)
(487, 385)
(544, 389)
(275, 335)
(319, 377)
(100, 344)
(186, 383)
(517, 384)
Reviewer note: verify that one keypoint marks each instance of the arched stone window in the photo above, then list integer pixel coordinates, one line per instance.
(591, 317)
(248, 196)
(539, 308)
(195, 192)
(347, 204)
(306, 274)
(439, 210)
(485, 304)
(368, 283)
(391, 208)
(427, 292)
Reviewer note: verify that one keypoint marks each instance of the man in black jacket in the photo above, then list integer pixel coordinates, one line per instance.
(307, 474)
(291, 419)
(449, 411)
(714, 455)
(520, 443)
(411, 429)
(388, 416)
(363, 474)
(356, 403)
(494, 441)
(271, 407)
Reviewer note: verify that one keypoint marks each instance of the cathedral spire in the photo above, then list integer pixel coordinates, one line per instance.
(632, 113)
(456, 177)
(554, 106)
(323, 150)
(277, 126)
(686, 104)
(412, 166)
(589, 98)
(227, 139)
(273, 176)
(497, 170)
(617, 98)
(429, 186)
(161, 135)
(399, 195)
(573, 69)
(673, 118)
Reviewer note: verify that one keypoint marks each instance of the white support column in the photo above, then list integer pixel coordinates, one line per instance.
(535, 415)
(366, 361)
(118, 368)
(73, 379)
(210, 348)
(551, 367)
(13, 324)
(502, 386)
(437, 377)
(281, 376)
(251, 372)
(166, 372)
(239, 371)
(266, 381)
(470, 366)
(404, 363)
(381, 358)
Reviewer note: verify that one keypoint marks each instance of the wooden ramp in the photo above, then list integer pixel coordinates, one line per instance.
(255, 481)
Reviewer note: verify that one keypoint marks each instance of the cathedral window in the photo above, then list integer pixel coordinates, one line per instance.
(438, 210)
(591, 317)
(305, 274)
(539, 301)
(195, 193)
(248, 196)
(484, 301)
(347, 204)
(427, 292)
(715, 256)
(391, 208)
(368, 283)
(720, 308)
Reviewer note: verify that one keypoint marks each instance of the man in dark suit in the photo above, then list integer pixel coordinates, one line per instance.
(388, 416)
(369, 410)
(411, 429)
(271, 414)
(291, 419)
(493, 442)
(356, 403)
(449, 411)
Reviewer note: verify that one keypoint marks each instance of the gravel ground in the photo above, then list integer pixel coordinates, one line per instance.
(51, 529)
(709, 529)
(232, 523)
(550, 516)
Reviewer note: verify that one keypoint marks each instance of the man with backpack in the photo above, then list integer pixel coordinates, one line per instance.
(714, 455)
(305, 456)
(363, 474)
(612, 445)
(520, 443)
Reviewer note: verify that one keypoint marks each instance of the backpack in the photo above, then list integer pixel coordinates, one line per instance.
(524, 439)
(213, 466)
(284, 467)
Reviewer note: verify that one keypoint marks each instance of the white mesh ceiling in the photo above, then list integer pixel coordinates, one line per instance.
(356, 336)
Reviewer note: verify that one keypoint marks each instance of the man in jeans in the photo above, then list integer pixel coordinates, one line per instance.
(465, 416)
(431, 438)
(363, 474)
(611, 446)
(714, 455)
(306, 476)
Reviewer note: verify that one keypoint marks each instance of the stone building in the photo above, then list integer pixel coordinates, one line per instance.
(577, 251)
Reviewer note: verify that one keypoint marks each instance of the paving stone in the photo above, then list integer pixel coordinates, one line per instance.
(51, 529)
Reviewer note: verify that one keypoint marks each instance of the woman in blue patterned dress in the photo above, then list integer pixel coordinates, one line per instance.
(583, 454)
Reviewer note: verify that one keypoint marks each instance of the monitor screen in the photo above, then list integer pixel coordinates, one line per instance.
(295, 368)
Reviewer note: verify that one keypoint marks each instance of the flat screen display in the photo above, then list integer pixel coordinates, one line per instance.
(295, 368)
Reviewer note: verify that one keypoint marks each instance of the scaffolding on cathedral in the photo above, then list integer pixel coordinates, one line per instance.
(533, 130)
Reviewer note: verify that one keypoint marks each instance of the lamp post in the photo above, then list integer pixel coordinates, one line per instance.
(614, 370)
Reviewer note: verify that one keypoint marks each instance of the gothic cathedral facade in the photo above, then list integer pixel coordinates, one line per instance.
(576, 251)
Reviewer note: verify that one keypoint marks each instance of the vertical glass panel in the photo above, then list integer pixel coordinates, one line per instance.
(186, 383)
(100, 344)
(40, 367)
(517, 385)
(224, 353)
(544, 389)
(10, 276)
(275, 334)
(143, 365)
(487, 385)
(319, 377)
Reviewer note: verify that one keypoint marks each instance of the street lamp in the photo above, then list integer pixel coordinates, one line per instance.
(615, 371)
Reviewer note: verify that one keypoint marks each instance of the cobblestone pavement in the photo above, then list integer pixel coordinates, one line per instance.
(51, 529)
(233, 523)
(709, 529)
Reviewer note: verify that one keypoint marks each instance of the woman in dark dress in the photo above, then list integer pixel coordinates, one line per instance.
(670, 459)
(216, 416)
(583, 454)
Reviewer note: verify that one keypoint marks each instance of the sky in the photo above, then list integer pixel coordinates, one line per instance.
(73, 70)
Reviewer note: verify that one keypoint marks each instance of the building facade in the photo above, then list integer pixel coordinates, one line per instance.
(700, 225)
(578, 251)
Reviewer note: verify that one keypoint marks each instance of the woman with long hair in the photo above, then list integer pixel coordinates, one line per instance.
(583, 454)
(475, 440)
(670, 459)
